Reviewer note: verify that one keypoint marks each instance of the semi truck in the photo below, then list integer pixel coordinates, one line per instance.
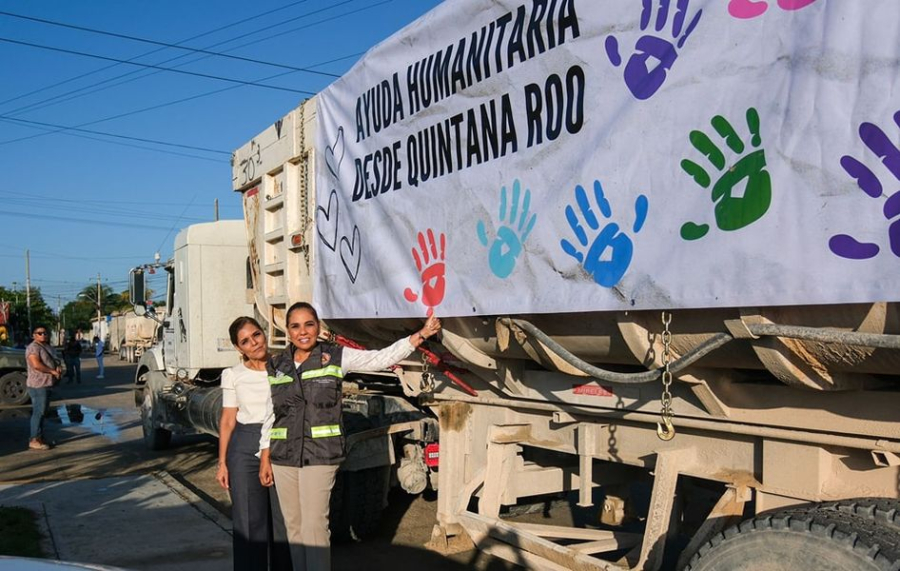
(663, 243)
(130, 335)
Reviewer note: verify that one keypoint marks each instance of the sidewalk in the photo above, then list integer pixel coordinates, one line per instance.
(145, 523)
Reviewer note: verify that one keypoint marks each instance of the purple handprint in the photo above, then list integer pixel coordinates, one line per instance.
(641, 80)
(879, 143)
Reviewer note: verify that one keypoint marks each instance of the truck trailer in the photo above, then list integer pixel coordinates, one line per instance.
(662, 238)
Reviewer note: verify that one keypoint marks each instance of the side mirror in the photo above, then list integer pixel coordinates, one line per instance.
(137, 292)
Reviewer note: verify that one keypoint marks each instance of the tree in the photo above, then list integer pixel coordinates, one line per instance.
(41, 314)
(77, 314)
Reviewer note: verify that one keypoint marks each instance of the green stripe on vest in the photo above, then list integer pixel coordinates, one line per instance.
(329, 371)
(282, 380)
(326, 431)
(278, 434)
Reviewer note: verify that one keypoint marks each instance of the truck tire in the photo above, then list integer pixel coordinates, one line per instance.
(820, 539)
(357, 502)
(12, 388)
(155, 438)
(881, 511)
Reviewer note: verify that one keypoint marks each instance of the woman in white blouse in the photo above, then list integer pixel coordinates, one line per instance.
(259, 535)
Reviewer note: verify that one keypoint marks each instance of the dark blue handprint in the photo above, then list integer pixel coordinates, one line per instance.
(641, 80)
(607, 268)
(511, 235)
(880, 144)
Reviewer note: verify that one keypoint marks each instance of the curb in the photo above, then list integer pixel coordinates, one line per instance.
(195, 501)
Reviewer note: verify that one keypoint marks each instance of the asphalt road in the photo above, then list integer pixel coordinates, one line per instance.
(96, 431)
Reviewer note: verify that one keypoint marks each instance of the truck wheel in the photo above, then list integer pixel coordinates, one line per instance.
(12, 388)
(155, 438)
(881, 511)
(825, 540)
(357, 502)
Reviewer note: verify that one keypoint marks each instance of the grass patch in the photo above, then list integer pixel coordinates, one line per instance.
(19, 535)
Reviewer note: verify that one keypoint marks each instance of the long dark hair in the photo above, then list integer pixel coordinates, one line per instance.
(300, 305)
(239, 324)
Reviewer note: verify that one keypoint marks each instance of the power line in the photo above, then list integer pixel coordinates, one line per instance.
(169, 103)
(83, 90)
(157, 67)
(121, 144)
(41, 199)
(165, 44)
(219, 29)
(79, 220)
(139, 139)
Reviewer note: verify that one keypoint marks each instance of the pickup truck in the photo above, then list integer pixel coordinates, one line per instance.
(13, 372)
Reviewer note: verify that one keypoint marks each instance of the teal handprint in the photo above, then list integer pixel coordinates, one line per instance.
(733, 209)
(511, 235)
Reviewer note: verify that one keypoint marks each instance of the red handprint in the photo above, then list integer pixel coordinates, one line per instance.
(432, 260)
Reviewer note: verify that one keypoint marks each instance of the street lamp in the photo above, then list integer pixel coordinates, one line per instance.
(97, 304)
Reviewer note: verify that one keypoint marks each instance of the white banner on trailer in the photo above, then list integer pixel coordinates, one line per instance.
(501, 156)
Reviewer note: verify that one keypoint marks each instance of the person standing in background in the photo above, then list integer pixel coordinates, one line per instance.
(72, 356)
(43, 373)
(99, 346)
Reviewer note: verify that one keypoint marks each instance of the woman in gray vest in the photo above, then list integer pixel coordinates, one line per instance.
(302, 441)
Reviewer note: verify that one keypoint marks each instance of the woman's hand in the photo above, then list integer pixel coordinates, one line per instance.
(432, 326)
(266, 478)
(222, 475)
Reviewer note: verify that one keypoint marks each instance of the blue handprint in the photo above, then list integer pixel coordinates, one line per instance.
(605, 272)
(880, 144)
(641, 80)
(511, 236)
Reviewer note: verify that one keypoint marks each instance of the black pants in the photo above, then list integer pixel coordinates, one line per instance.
(260, 540)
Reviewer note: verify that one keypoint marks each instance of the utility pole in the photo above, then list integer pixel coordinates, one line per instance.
(59, 323)
(99, 325)
(217, 210)
(28, 288)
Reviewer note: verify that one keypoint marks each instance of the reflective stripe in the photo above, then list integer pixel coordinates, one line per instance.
(278, 434)
(329, 371)
(281, 380)
(326, 431)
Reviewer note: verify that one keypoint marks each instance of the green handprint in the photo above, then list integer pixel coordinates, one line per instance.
(734, 209)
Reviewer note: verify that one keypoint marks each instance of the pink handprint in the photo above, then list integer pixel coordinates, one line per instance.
(430, 264)
(747, 9)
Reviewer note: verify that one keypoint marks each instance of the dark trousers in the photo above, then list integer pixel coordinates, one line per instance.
(260, 539)
(73, 369)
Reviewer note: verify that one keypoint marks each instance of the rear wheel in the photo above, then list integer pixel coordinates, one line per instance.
(881, 511)
(824, 540)
(155, 438)
(13, 389)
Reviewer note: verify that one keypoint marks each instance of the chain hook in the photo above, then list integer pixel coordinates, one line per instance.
(665, 430)
(427, 385)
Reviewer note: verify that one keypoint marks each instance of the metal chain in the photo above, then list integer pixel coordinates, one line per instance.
(664, 429)
(427, 385)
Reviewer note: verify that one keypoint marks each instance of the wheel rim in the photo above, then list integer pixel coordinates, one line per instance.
(147, 412)
(14, 388)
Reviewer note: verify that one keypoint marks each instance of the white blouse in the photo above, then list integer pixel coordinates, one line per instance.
(248, 391)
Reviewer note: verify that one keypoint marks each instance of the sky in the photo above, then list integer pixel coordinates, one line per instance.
(103, 162)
